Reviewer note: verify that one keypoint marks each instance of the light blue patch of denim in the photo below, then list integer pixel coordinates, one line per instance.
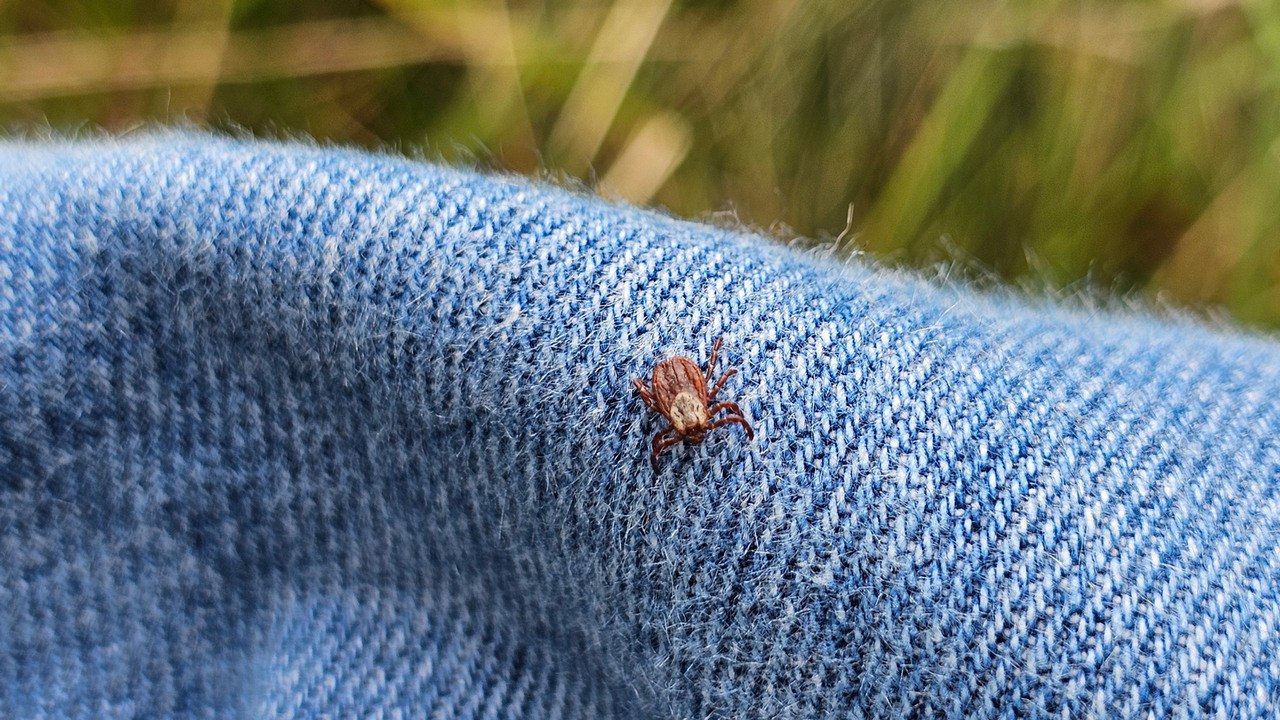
(296, 431)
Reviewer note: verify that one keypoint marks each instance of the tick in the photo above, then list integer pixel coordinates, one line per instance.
(679, 393)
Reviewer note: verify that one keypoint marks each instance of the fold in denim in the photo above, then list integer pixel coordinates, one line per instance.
(299, 431)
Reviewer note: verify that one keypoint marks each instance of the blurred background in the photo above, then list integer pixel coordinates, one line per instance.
(1131, 148)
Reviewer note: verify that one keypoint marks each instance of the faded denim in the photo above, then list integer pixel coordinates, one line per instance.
(289, 431)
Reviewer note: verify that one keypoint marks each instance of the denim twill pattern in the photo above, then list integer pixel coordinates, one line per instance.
(289, 431)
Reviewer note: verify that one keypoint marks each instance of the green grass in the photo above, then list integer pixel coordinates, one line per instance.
(1133, 146)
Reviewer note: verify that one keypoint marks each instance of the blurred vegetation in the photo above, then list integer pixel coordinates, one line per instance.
(1129, 145)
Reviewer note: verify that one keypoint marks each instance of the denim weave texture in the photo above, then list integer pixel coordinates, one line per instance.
(294, 431)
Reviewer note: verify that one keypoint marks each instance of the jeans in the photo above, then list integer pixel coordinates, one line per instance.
(295, 431)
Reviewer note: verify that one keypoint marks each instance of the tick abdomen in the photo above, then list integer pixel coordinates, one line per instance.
(675, 376)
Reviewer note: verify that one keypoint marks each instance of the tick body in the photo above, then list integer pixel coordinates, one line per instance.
(679, 393)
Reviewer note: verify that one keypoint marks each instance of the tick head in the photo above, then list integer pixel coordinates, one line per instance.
(688, 415)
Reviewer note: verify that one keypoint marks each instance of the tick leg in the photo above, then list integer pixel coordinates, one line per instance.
(661, 442)
(726, 405)
(720, 383)
(645, 394)
(711, 364)
(738, 419)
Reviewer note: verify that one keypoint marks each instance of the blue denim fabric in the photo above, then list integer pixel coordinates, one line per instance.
(291, 431)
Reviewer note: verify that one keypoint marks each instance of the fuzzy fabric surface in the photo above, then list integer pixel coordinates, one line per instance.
(289, 431)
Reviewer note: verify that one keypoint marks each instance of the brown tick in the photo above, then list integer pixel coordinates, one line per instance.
(680, 395)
